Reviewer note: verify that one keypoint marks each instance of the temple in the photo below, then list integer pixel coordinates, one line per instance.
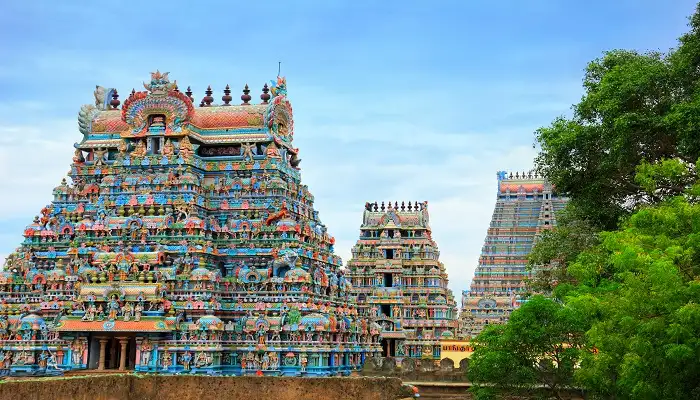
(399, 281)
(183, 242)
(526, 204)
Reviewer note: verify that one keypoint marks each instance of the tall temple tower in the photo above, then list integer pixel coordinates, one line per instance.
(398, 279)
(184, 242)
(525, 205)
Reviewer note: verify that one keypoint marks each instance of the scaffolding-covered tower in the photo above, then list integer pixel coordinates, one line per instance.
(526, 204)
(398, 279)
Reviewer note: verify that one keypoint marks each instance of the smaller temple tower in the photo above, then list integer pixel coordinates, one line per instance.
(398, 279)
(526, 205)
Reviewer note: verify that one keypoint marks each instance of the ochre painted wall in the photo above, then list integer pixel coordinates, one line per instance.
(455, 350)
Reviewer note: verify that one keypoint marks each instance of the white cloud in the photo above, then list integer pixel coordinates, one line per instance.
(33, 159)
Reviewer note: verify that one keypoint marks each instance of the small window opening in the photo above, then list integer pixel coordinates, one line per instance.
(155, 145)
(388, 280)
(386, 309)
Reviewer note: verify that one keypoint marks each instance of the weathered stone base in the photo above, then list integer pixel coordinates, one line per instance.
(169, 387)
(415, 370)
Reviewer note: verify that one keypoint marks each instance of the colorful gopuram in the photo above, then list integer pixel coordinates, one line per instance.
(400, 282)
(526, 204)
(182, 242)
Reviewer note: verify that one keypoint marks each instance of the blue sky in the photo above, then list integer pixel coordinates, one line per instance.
(393, 100)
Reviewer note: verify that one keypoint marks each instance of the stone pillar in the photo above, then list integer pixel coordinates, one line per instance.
(137, 362)
(122, 353)
(103, 353)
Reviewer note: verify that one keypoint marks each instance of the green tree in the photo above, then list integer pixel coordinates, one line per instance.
(625, 259)
(636, 108)
(537, 349)
(555, 249)
(643, 284)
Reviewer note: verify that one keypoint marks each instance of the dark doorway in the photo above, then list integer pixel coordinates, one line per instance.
(388, 280)
(113, 353)
(386, 309)
(389, 254)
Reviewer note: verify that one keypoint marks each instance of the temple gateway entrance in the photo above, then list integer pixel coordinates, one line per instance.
(112, 352)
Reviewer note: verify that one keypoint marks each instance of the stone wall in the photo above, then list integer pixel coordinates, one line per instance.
(163, 387)
(416, 370)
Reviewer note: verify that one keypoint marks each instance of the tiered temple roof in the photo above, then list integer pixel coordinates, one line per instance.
(186, 232)
(526, 204)
(398, 278)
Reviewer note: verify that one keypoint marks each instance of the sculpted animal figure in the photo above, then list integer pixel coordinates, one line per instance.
(100, 93)
(284, 262)
(276, 216)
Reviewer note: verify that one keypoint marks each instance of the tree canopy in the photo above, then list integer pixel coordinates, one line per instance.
(624, 262)
(637, 108)
(538, 348)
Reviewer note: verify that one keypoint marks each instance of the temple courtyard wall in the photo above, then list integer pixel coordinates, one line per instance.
(178, 387)
(415, 370)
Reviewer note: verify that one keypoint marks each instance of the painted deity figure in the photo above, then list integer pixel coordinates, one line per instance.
(166, 359)
(294, 316)
(373, 311)
(201, 360)
(126, 311)
(23, 358)
(186, 147)
(303, 362)
(78, 157)
(186, 359)
(146, 348)
(77, 352)
(140, 149)
(248, 150)
(244, 362)
(262, 336)
(89, 313)
(265, 362)
(274, 360)
(168, 148)
(122, 147)
(43, 359)
(99, 156)
(272, 151)
(137, 312)
(7, 359)
(113, 308)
